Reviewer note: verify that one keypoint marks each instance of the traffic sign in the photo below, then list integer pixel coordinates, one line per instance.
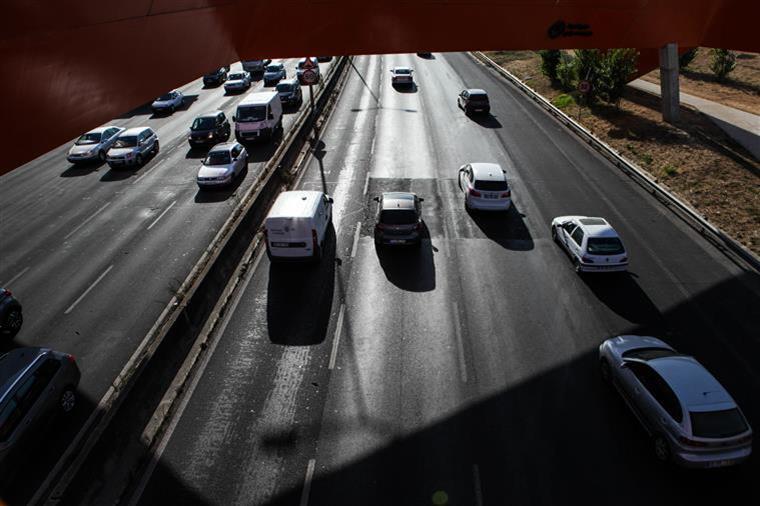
(309, 76)
(584, 86)
(309, 63)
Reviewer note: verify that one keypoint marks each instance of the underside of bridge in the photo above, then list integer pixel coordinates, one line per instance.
(73, 64)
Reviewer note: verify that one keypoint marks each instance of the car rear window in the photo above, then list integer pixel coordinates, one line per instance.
(717, 424)
(479, 98)
(491, 186)
(649, 353)
(236, 77)
(398, 216)
(129, 141)
(604, 246)
(285, 87)
(203, 124)
(403, 71)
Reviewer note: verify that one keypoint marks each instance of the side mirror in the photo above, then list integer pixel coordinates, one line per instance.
(421, 199)
(376, 199)
(330, 200)
(233, 119)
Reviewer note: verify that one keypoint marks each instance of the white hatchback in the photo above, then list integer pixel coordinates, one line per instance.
(485, 187)
(402, 75)
(237, 81)
(592, 243)
(169, 102)
(222, 165)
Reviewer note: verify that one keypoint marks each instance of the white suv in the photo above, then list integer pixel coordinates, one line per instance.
(132, 147)
(592, 243)
(485, 187)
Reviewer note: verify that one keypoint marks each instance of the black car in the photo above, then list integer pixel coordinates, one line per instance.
(209, 129)
(398, 219)
(215, 77)
(290, 92)
(324, 58)
(473, 101)
(10, 314)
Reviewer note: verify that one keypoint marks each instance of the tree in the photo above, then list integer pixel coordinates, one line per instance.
(686, 58)
(722, 62)
(566, 72)
(550, 60)
(588, 67)
(617, 67)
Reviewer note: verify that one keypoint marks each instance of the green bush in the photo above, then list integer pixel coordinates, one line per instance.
(562, 101)
(722, 62)
(615, 70)
(566, 73)
(588, 67)
(687, 57)
(550, 59)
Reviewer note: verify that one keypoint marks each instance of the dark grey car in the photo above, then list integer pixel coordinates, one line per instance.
(209, 129)
(34, 384)
(398, 219)
(11, 316)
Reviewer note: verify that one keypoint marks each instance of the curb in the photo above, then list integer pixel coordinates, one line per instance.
(737, 253)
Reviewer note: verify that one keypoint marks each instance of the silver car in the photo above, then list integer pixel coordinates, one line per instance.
(132, 147)
(692, 419)
(237, 81)
(222, 165)
(399, 219)
(93, 145)
(34, 383)
(274, 73)
(169, 102)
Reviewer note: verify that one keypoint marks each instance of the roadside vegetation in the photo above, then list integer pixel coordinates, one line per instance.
(694, 159)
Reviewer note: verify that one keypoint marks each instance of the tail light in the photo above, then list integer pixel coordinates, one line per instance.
(418, 226)
(745, 439)
(624, 259)
(690, 442)
(70, 358)
(474, 193)
(314, 241)
(587, 260)
(7, 292)
(506, 194)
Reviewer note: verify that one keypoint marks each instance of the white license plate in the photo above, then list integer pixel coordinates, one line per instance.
(280, 244)
(720, 463)
(491, 196)
(397, 241)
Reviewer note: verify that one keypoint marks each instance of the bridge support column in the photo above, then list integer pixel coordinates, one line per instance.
(669, 83)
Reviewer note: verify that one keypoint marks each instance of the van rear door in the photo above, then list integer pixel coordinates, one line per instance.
(289, 236)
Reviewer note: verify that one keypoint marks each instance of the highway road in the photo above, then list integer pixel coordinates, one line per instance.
(463, 373)
(95, 254)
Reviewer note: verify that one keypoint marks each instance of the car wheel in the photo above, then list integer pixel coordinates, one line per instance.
(13, 321)
(68, 399)
(172, 109)
(577, 265)
(139, 160)
(604, 370)
(102, 155)
(155, 148)
(661, 449)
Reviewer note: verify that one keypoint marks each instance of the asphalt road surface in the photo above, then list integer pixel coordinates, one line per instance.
(95, 254)
(463, 373)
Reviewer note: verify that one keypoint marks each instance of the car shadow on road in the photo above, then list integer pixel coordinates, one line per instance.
(263, 150)
(291, 108)
(428, 56)
(197, 153)
(78, 170)
(406, 88)
(620, 292)
(410, 268)
(299, 298)
(211, 195)
(507, 229)
(486, 120)
(120, 174)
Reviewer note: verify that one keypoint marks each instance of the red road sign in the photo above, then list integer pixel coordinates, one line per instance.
(584, 86)
(309, 77)
(308, 64)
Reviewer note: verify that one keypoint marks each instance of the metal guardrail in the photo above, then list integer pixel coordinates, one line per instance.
(721, 240)
(186, 312)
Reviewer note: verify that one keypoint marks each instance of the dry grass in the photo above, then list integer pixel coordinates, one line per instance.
(718, 178)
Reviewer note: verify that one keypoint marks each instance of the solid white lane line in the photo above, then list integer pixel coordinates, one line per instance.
(307, 483)
(162, 215)
(148, 171)
(14, 278)
(71, 307)
(460, 344)
(478, 489)
(356, 238)
(336, 338)
(366, 183)
(197, 375)
(85, 222)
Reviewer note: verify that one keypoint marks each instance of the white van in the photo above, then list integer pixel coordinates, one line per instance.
(297, 224)
(259, 115)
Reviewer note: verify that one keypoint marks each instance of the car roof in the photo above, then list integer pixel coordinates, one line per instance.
(223, 146)
(100, 130)
(210, 114)
(295, 204)
(476, 91)
(293, 80)
(401, 67)
(259, 97)
(488, 172)
(133, 131)
(595, 226)
(691, 382)
(398, 200)
(14, 363)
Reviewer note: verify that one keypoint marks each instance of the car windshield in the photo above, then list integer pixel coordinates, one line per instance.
(605, 246)
(274, 68)
(164, 98)
(403, 71)
(129, 141)
(717, 424)
(217, 158)
(492, 186)
(251, 112)
(398, 216)
(203, 124)
(479, 98)
(284, 87)
(233, 77)
(649, 353)
(89, 138)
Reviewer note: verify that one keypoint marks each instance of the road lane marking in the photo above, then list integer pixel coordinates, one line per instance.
(356, 238)
(148, 171)
(307, 483)
(460, 344)
(71, 307)
(85, 222)
(197, 375)
(478, 489)
(336, 339)
(14, 278)
(366, 184)
(162, 215)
